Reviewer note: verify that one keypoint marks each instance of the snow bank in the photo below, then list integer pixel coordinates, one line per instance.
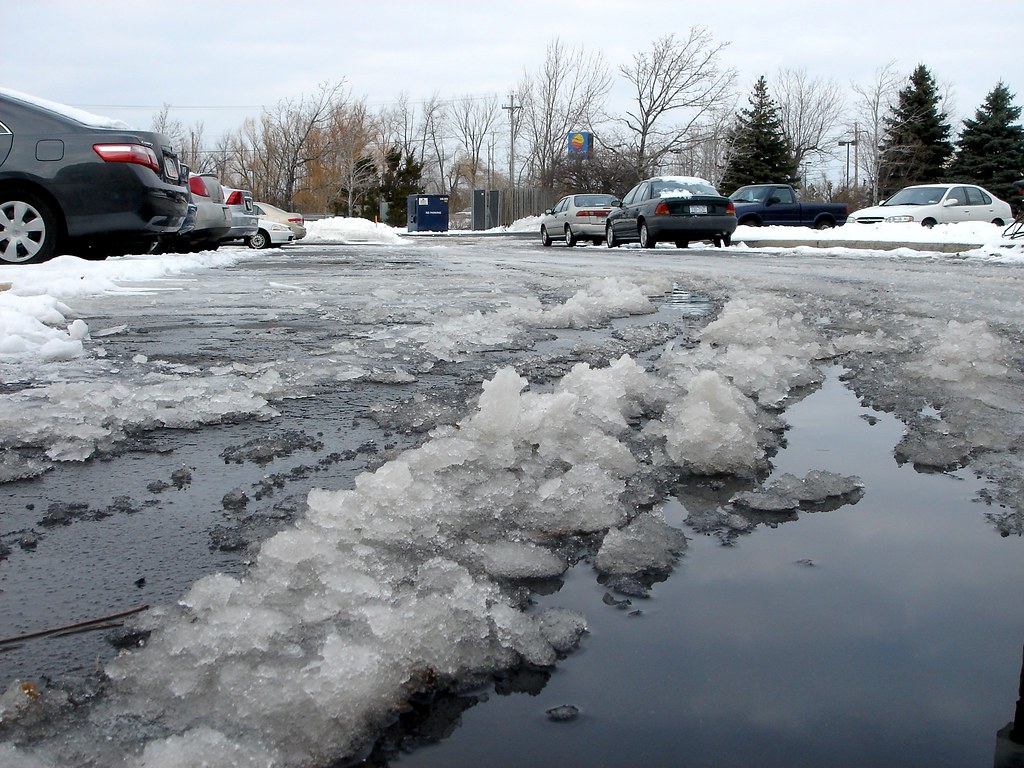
(351, 230)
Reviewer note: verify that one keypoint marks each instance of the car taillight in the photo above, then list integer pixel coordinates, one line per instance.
(235, 198)
(295, 219)
(597, 214)
(198, 186)
(662, 209)
(730, 208)
(128, 153)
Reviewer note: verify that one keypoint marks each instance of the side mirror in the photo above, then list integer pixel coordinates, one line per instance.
(548, 211)
(616, 203)
(950, 201)
(773, 200)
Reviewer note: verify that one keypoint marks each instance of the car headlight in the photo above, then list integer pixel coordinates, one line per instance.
(899, 219)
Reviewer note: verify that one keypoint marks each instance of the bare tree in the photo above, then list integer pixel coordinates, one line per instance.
(474, 122)
(875, 101)
(187, 140)
(272, 155)
(434, 153)
(810, 109)
(566, 94)
(679, 80)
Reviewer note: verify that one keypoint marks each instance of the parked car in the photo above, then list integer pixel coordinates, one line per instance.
(778, 205)
(292, 220)
(680, 209)
(575, 218)
(931, 204)
(210, 223)
(72, 182)
(270, 233)
(244, 221)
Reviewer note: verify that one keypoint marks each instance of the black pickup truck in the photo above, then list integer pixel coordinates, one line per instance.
(777, 205)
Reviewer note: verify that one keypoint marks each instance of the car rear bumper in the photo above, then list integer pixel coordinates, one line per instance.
(690, 227)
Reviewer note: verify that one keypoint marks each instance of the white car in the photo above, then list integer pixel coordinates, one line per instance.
(270, 233)
(931, 204)
(290, 219)
(576, 217)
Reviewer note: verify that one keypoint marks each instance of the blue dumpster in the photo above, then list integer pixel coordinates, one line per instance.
(427, 213)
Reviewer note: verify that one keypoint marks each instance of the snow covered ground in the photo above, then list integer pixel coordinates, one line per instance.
(386, 588)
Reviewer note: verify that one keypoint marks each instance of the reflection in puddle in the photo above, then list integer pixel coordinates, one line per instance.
(886, 632)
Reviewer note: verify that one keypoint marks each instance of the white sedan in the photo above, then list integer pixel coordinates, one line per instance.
(270, 233)
(575, 218)
(931, 204)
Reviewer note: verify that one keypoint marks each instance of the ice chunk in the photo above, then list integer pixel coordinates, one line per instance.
(712, 429)
(647, 545)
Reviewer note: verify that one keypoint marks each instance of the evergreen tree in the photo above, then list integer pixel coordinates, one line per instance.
(916, 146)
(402, 176)
(759, 150)
(990, 150)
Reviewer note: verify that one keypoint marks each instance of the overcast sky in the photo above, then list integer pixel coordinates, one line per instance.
(216, 63)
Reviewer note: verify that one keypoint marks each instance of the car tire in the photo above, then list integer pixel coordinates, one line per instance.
(824, 224)
(928, 223)
(682, 243)
(545, 238)
(260, 240)
(609, 237)
(646, 239)
(570, 238)
(998, 222)
(28, 229)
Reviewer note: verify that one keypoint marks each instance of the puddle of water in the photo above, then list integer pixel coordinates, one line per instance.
(883, 633)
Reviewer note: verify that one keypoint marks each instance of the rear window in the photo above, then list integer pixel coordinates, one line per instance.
(589, 201)
(673, 188)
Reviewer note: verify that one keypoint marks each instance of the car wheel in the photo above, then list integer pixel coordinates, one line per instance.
(751, 222)
(997, 222)
(825, 224)
(545, 238)
(928, 223)
(260, 240)
(28, 229)
(609, 237)
(646, 240)
(682, 243)
(570, 238)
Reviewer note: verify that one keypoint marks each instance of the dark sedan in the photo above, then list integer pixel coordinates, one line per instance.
(677, 209)
(71, 182)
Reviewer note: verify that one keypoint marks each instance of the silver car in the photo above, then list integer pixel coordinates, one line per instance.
(244, 222)
(575, 218)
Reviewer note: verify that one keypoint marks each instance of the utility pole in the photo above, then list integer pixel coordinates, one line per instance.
(512, 107)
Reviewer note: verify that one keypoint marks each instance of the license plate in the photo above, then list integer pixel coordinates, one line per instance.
(171, 168)
(699, 210)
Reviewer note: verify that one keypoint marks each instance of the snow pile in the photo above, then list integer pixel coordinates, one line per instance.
(965, 232)
(450, 338)
(30, 327)
(73, 421)
(352, 230)
(400, 584)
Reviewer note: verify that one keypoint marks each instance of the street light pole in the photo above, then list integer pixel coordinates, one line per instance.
(848, 144)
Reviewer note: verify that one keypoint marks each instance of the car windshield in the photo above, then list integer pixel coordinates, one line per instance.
(917, 196)
(749, 195)
(675, 188)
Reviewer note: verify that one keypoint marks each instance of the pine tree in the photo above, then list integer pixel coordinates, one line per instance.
(760, 153)
(990, 150)
(916, 145)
